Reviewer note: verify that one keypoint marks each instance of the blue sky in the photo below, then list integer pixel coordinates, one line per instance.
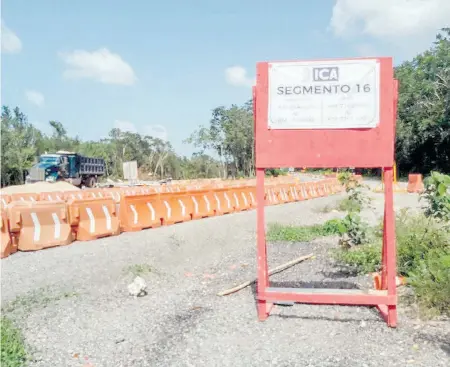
(161, 67)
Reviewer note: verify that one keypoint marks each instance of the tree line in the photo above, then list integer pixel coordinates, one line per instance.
(226, 145)
(22, 143)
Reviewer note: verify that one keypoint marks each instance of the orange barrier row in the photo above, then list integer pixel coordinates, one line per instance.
(32, 222)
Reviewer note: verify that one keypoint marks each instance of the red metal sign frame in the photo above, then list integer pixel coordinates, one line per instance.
(369, 148)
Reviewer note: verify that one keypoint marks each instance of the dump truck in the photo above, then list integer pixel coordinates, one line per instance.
(67, 166)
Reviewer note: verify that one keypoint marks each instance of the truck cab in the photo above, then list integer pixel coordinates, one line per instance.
(67, 166)
(47, 168)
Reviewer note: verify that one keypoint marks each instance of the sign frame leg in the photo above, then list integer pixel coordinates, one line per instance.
(263, 306)
(389, 252)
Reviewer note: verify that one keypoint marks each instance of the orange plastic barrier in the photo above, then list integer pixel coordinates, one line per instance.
(115, 194)
(293, 193)
(39, 225)
(248, 194)
(203, 204)
(52, 196)
(415, 183)
(5, 199)
(73, 195)
(283, 195)
(25, 197)
(93, 218)
(178, 207)
(238, 202)
(302, 192)
(6, 243)
(138, 212)
(272, 196)
(377, 281)
(223, 201)
(319, 186)
(95, 193)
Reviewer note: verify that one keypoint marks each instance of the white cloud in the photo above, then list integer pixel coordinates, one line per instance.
(35, 97)
(11, 44)
(101, 65)
(155, 131)
(237, 76)
(390, 18)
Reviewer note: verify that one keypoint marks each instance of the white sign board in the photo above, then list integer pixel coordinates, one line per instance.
(342, 94)
(130, 171)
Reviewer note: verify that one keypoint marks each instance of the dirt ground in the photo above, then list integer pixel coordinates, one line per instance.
(39, 187)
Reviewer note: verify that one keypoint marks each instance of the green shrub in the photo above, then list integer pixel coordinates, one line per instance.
(431, 281)
(437, 196)
(332, 226)
(346, 178)
(416, 236)
(354, 231)
(423, 257)
(12, 346)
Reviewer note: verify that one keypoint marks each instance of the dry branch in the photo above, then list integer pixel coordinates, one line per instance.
(278, 269)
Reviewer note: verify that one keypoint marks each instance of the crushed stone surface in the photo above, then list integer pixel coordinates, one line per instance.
(73, 305)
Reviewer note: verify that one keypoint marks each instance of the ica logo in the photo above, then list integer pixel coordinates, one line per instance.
(326, 74)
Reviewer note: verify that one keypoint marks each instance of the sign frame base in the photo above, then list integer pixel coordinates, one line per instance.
(385, 299)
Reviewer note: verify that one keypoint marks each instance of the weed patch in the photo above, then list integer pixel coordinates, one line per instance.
(138, 269)
(349, 205)
(278, 232)
(41, 297)
(360, 260)
(13, 352)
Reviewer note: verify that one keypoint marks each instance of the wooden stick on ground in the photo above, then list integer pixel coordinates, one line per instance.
(278, 269)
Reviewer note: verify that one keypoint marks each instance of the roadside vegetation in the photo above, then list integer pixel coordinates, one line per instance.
(423, 246)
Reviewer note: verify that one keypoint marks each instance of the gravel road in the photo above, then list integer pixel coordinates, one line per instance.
(73, 307)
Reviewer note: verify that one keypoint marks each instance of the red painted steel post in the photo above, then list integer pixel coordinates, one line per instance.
(391, 253)
(383, 255)
(263, 277)
(383, 250)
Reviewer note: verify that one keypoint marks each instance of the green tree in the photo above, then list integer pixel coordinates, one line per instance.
(19, 141)
(423, 125)
(230, 135)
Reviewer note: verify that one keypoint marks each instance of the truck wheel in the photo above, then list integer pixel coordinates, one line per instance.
(90, 182)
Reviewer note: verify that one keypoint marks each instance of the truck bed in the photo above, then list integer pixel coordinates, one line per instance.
(92, 166)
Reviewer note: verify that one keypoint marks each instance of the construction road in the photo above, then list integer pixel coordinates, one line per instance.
(73, 305)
